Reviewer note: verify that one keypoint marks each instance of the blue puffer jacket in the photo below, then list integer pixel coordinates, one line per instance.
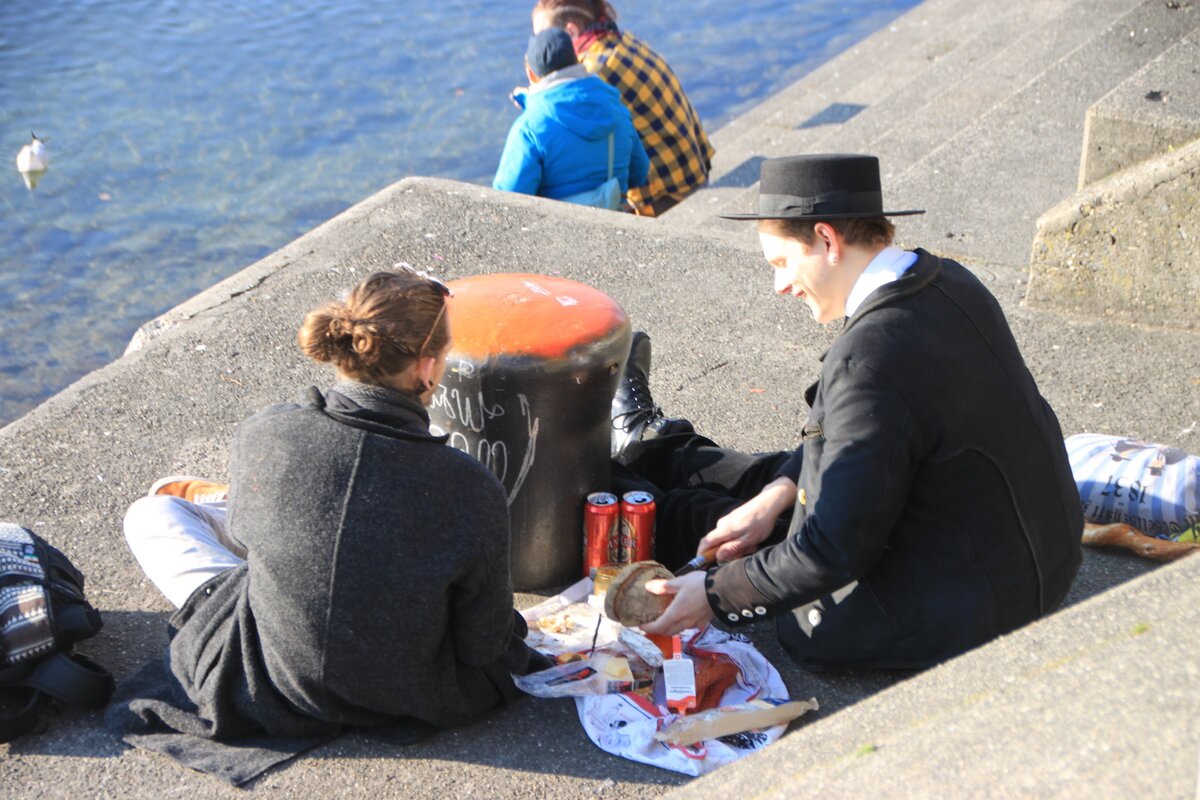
(559, 145)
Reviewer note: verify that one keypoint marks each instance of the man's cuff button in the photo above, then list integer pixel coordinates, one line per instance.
(732, 616)
(760, 610)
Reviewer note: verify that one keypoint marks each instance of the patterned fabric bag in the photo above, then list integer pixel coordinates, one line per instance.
(43, 613)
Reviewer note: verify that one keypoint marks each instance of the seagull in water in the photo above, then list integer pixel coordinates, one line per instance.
(33, 161)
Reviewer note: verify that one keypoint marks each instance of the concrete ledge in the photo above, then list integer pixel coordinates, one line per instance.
(1126, 247)
(1154, 110)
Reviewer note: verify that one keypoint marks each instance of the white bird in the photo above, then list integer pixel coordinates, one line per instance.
(33, 161)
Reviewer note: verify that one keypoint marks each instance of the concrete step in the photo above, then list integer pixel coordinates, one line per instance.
(908, 35)
(1099, 700)
(1125, 247)
(956, 92)
(924, 35)
(949, 93)
(1152, 111)
(988, 183)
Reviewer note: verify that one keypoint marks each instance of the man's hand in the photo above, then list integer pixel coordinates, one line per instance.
(741, 531)
(689, 609)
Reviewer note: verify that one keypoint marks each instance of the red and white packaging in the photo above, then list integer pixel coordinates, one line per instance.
(679, 679)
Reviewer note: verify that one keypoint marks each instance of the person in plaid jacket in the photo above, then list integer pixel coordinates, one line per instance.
(679, 150)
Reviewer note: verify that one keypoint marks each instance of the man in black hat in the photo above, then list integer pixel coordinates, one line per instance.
(932, 504)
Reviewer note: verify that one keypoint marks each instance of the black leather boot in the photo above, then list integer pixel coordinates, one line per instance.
(635, 416)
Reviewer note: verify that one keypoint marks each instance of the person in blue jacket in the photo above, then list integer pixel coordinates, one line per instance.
(559, 145)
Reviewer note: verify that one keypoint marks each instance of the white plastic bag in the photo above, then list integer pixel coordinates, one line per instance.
(625, 724)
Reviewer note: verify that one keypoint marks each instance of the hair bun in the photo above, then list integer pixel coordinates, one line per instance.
(380, 328)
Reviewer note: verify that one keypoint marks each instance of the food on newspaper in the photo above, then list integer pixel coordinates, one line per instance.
(643, 645)
(599, 662)
(717, 722)
(627, 600)
(555, 629)
(566, 620)
(715, 673)
(602, 673)
(1130, 538)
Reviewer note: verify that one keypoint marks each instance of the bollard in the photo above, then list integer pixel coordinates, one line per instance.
(528, 391)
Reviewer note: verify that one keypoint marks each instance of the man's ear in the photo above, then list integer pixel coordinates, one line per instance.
(572, 30)
(826, 234)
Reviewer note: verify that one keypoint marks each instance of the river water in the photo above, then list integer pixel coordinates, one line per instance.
(189, 138)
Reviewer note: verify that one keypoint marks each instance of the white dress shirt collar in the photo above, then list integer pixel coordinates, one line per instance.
(888, 265)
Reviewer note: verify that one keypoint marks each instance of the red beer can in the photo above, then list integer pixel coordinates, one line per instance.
(637, 527)
(601, 532)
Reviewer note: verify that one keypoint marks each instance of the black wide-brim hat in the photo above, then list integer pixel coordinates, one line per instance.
(820, 187)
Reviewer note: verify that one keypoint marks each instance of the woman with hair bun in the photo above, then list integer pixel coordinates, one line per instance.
(357, 573)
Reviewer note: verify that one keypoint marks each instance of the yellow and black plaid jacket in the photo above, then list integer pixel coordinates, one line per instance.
(679, 150)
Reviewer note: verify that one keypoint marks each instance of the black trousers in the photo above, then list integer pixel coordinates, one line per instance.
(694, 483)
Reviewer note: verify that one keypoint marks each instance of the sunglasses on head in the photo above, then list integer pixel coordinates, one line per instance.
(442, 288)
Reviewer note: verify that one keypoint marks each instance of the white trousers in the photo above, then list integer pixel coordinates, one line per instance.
(180, 545)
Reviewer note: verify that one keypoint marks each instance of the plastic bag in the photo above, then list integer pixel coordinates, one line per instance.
(626, 723)
(1151, 487)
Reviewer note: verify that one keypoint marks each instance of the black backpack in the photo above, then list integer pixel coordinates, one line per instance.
(43, 613)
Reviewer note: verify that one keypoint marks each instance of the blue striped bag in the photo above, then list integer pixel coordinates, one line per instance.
(1152, 487)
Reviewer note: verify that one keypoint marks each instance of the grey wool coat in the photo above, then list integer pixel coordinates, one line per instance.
(376, 588)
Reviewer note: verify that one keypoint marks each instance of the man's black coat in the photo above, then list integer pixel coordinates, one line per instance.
(931, 472)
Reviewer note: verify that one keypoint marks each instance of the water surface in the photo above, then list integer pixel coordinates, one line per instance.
(190, 138)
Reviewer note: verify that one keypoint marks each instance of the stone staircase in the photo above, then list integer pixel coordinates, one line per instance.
(967, 112)
(1126, 245)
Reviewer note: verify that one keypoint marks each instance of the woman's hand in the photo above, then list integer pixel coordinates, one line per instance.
(689, 609)
(741, 531)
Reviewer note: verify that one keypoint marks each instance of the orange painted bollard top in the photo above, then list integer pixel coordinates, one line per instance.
(524, 314)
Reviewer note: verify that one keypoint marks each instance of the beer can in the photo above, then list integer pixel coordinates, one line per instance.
(637, 527)
(601, 531)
